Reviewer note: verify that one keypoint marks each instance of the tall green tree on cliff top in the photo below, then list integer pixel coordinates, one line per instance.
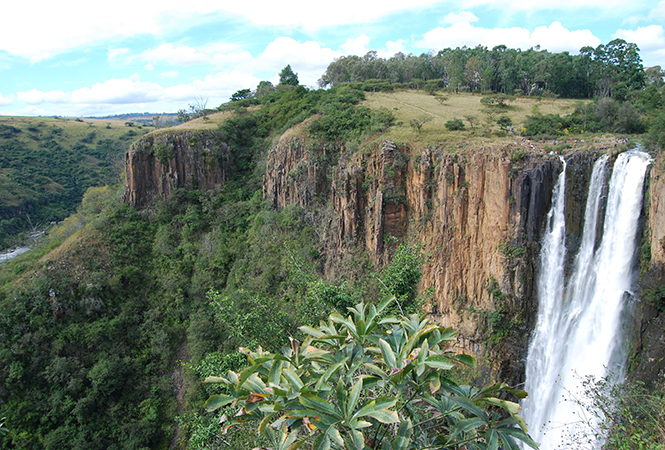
(288, 76)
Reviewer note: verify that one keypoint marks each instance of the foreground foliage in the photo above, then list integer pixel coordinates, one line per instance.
(625, 416)
(366, 381)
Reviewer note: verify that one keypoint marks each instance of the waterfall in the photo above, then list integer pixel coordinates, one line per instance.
(578, 331)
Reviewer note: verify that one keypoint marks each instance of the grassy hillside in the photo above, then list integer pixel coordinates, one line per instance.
(46, 164)
(408, 105)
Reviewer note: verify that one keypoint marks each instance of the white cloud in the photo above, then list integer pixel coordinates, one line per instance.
(169, 74)
(554, 38)
(176, 56)
(357, 46)
(36, 97)
(219, 85)
(611, 6)
(301, 13)
(657, 14)
(149, 67)
(113, 91)
(115, 53)
(464, 16)
(650, 40)
(392, 48)
(216, 54)
(6, 101)
(308, 59)
(75, 23)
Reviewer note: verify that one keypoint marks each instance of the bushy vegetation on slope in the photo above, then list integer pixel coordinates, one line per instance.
(47, 164)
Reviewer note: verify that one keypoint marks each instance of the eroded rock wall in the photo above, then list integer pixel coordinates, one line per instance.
(478, 214)
(160, 163)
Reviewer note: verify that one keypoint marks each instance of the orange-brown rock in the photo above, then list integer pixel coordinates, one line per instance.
(477, 214)
(162, 162)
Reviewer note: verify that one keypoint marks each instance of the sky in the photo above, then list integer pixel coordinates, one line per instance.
(81, 58)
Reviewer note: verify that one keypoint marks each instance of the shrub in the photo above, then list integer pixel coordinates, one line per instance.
(367, 381)
(455, 125)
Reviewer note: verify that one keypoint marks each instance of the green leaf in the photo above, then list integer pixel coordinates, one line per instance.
(316, 332)
(388, 354)
(275, 372)
(471, 407)
(341, 394)
(492, 439)
(519, 393)
(384, 303)
(246, 373)
(328, 373)
(401, 441)
(353, 398)
(293, 379)
(335, 436)
(255, 384)
(266, 420)
(213, 380)
(319, 404)
(511, 407)
(217, 401)
(518, 434)
(357, 439)
(379, 410)
(322, 442)
(466, 360)
(466, 425)
(375, 369)
(439, 362)
(508, 441)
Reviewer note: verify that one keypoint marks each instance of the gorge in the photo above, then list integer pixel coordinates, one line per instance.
(479, 214)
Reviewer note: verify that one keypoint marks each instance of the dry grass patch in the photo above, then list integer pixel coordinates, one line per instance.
(411, 105)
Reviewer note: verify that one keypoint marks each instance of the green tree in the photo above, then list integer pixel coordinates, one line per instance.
(288, 77)
(241, 94)
(366, 381)
(504, 122)
(417, 124)
(455, 125)
(264, 88)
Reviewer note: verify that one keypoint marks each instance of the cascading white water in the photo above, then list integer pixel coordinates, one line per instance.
(578, 328)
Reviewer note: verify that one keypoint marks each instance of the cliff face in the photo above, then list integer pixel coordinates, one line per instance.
(647, 357)
(160, 163)
(478, 214)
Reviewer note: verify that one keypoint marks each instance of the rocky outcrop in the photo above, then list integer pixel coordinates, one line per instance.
(161, 162)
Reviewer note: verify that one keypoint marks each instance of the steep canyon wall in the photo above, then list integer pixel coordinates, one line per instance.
(478, 214)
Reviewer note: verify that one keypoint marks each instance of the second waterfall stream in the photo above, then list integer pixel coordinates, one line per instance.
(578, 333)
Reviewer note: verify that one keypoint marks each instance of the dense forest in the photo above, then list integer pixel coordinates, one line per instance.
(110, 325)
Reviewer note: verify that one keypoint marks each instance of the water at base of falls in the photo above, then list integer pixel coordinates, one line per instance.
(578, 331)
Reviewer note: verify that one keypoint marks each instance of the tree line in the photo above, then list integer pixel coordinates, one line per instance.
(612, 69)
